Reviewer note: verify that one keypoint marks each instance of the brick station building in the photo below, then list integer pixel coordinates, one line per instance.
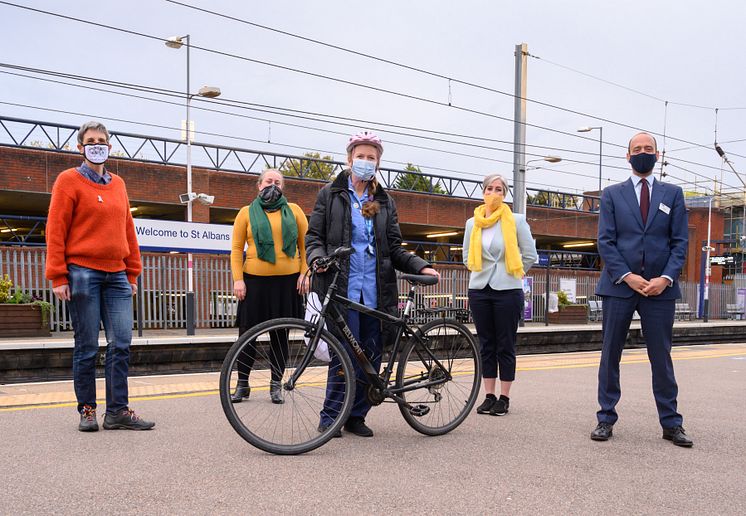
(27, 176)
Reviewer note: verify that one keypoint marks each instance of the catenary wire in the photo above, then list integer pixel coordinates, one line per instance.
(327, 131)
(228, 104)
(366, 86)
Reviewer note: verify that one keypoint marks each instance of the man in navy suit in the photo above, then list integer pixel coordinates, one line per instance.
(642, 239)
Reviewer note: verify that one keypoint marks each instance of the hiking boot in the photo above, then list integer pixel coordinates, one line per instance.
(602, 432)
(88, 421)
(126, 419)
(485, 407)
(275, 392)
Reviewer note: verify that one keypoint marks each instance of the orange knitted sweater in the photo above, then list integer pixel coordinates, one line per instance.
(90, 225)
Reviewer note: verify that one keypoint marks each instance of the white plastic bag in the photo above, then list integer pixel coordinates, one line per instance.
(313, 305)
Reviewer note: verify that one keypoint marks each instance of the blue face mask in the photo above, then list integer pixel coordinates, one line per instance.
(363, 169)
(643, 163)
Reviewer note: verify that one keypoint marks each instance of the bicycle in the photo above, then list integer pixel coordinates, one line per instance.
(435, 386)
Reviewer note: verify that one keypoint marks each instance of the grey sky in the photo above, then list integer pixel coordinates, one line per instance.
(673, 50)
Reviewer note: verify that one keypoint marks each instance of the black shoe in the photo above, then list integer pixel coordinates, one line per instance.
(88, 421)
(126, 420)
(485, 407)
(500, 408)
(322, 428)
(677, 436)
(241, 393)
(602, 432)
(358, 427)
(275, 392)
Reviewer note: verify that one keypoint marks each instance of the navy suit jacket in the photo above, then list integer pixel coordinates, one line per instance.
(657, 249)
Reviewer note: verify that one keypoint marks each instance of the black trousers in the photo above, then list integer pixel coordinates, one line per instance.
(496, 314)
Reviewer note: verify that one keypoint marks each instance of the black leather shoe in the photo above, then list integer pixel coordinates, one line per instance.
(677, 436)
(358, 427)
(322, 428)
(241, 393)
(602, 432)
(275, 392)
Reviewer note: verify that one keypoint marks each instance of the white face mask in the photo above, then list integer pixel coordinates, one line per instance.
(96, 153)
(364, 169)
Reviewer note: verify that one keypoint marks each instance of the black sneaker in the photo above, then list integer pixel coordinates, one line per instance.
(126, 419)
(500, 408)
(88, 421)
(485, 407)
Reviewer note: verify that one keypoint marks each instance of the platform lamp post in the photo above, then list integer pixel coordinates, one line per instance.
(600, 150)
(519, 188)
(207, 91)
(548, 159)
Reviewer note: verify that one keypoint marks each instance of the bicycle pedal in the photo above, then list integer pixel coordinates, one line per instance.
(419, 410)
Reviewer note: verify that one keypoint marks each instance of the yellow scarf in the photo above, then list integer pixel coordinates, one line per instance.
(513, 263)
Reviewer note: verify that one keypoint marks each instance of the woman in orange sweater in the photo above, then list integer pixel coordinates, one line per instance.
(93, 261)
(270, 281)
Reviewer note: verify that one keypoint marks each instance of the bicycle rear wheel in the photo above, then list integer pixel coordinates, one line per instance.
(272, 351)
(449, 401)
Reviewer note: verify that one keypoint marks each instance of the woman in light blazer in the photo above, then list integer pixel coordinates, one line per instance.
(498, 249)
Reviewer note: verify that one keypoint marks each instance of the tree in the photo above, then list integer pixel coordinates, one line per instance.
(554, 200)
(309, 167)
(416, 181)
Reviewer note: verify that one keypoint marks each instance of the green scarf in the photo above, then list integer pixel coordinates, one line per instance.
(261, 230)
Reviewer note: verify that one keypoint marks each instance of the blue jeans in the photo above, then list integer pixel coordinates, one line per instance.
(98, 296)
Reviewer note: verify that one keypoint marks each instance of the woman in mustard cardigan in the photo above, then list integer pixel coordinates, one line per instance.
(270, 281)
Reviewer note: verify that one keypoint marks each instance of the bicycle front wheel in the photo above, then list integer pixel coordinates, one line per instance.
(445, 393)
(272, 415)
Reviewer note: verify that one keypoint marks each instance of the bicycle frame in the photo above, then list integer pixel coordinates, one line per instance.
(330, 307)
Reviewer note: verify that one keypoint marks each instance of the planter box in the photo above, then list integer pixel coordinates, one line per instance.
(22, 321)
(570, 314)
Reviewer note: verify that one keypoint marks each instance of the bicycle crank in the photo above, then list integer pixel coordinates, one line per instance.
(375, 396)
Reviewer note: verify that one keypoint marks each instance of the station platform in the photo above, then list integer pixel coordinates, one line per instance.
(173, 352)
(538, 459)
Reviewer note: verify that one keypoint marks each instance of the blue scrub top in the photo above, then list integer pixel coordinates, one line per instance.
(362, 279)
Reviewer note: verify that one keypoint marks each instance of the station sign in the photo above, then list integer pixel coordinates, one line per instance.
(184, 237)
(722, 260)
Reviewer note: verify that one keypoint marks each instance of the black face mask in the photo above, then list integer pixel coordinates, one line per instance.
(643, 163)
(270, 194)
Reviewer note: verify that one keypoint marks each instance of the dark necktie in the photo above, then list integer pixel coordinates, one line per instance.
(644, 201)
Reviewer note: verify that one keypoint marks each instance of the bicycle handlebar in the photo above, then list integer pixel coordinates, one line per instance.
(323, 262)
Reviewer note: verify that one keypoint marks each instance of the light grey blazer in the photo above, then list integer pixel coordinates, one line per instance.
(493, 271)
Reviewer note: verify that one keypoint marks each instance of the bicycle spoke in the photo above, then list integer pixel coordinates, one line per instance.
(275, 350)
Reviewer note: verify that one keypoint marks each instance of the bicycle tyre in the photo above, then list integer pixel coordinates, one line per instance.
(453, 345)
(289, 428)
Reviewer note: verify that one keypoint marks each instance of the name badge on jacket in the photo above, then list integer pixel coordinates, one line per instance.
(665, 209)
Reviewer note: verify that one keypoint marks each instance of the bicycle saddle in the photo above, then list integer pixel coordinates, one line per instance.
(419, 279)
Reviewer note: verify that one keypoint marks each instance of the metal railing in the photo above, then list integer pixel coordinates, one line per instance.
(163, 289)
(54, 137)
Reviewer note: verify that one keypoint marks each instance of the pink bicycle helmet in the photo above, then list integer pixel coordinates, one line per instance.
(365, 138)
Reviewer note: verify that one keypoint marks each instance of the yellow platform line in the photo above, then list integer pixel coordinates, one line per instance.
(214, 392)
